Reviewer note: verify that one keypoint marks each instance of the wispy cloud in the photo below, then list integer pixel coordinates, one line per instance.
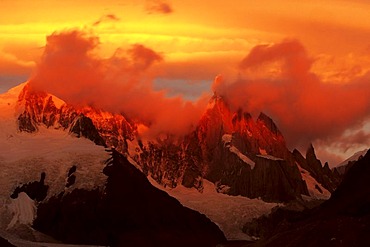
(158, 7)
(277, 79)
(106, 18)
(71, 69)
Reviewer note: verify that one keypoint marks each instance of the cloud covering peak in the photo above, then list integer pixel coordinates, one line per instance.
(71, 69)
(278, 80)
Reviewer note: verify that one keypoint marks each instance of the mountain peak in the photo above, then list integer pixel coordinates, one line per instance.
(216, 100)
(310, 153)
(269, 123)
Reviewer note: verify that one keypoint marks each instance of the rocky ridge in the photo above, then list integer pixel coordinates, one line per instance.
(343, 220)
(240, 155)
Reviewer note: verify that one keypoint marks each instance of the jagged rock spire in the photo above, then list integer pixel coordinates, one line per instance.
(269, 123)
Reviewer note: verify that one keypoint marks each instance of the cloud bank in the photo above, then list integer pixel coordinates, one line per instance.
(277, 80)
(71, 70)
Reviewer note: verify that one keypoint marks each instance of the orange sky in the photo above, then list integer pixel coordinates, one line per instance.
(197, 39)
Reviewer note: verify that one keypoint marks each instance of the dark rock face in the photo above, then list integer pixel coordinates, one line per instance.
(279, 218)
(163, 162)
(129, 212)
(35, 190)
(343, 220)
(352, 197)
(343, 169)
(25, 123)
(71, 178)
(38, 109)
(115, 129)
(100, 127)
(327, 178)
(212, 151)
(70, 181)
(269, 123)
(83, 126)
(72, 170)
(272, 180)
(5, 243)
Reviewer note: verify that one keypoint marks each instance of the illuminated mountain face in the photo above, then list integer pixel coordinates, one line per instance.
(240, 155)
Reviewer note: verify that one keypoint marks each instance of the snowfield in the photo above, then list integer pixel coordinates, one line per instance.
(230, 213)
(311, 184)
(24, 156)
(354, 157)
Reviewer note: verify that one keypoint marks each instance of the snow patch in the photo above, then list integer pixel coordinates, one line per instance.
(262, 151)
(227, 138)
(23, 209)
(269, 157)
(249, 133)
(312, 184)
(244, 158)
(133, 148)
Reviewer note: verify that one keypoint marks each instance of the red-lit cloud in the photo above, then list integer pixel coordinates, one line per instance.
(277, 79)
(71, 70)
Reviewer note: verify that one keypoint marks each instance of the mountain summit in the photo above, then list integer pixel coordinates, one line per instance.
(228, 152)
(239, 155)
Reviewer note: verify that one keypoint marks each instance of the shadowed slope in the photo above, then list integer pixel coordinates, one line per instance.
(130, 212)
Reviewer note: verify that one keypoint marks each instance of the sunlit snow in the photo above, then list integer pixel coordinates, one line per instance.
(311, 184)
(230, 213)
(269, 157)
(24, 156)
(23, 209)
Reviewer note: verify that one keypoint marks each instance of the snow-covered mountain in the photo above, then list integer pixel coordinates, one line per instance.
(240, 155)
(343, 167)
(227, 153)
(56, 152)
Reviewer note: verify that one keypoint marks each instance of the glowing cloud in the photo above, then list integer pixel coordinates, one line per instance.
(277, 79)
(70, 69)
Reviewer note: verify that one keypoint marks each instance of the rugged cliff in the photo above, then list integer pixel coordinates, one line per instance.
(242, 156)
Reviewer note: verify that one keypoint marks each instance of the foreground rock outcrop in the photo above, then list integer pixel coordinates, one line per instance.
(5, 243)
(343, 220)
(129, 212)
